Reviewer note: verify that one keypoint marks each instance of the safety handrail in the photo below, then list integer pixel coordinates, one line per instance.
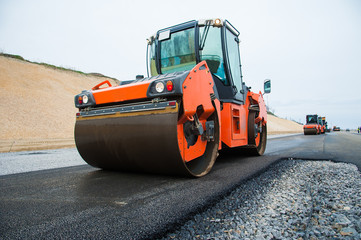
(102, 83)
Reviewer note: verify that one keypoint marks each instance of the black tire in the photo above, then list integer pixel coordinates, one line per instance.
(254, 149)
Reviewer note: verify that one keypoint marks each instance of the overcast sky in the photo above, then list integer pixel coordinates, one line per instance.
(310, 49)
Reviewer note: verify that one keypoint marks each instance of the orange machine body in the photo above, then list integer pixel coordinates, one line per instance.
(114, 94)
(315, 127)
(197, 89)
(321, 124)
(193, 103)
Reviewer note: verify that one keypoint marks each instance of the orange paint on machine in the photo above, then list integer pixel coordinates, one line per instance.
(192, 106)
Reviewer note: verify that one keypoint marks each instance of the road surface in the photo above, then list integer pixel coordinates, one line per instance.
(82, 202)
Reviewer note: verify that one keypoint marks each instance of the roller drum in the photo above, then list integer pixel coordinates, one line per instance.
(146, 143)
(310, 131)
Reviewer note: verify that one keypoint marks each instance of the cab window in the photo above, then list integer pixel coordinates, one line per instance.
(234, 58)
(212, 52)
(152, 58)
(177, 53)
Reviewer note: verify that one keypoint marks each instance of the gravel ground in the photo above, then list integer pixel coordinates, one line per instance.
(294, 199)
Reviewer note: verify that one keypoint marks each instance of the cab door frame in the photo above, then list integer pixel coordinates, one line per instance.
(229, 32)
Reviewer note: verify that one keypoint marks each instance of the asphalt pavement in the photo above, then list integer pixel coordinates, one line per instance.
(82, 202)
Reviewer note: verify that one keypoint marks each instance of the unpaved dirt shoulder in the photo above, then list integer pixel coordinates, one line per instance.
(35, 144)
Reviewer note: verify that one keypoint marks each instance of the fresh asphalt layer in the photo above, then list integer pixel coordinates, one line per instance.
(83, 202)
(29, 161)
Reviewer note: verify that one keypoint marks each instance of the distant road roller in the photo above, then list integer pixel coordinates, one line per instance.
(192, 105)
(312, 126)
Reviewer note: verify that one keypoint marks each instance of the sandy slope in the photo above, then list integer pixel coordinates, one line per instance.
(282, 126)
(37, 106)
(37, 103)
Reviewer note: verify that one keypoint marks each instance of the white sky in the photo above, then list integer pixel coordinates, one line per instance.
(310, 49)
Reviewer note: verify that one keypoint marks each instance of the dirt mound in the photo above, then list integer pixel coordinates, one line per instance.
(37, 105)
(277, 125)
(37, 102)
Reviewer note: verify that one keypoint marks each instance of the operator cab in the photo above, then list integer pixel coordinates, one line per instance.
(311, 119)
(181, 47)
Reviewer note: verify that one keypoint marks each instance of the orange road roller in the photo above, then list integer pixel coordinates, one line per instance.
(321, 123)
(312, 126)
(176, 121)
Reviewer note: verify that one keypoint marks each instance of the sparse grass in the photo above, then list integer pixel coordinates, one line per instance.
(12, 56)
(60, 68)
(18, 57)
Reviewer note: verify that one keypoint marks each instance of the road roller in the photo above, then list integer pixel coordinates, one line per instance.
(321, 123)
(325, 124)
(312, 126)
(176, 121)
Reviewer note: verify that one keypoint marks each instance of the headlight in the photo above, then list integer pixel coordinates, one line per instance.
(159, 87)
(85, 99)
(218, 22)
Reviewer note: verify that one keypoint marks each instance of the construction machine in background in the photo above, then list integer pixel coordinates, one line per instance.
(325, 124)
(192, 105)
(312, 125)
(322, 125)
